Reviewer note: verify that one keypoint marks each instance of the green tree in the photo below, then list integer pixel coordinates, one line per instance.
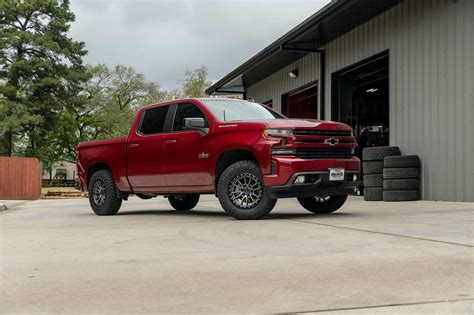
(195, 82)
(41, 71)
(112, 99)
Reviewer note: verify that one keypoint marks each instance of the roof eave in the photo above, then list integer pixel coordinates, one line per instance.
(276, 45)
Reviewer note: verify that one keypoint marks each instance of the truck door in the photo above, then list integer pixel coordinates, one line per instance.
(145, 150)
(186, 158)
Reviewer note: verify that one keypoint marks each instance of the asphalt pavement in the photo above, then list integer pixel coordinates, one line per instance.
(369, 257)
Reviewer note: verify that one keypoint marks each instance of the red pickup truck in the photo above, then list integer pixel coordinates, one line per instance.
(245, 153)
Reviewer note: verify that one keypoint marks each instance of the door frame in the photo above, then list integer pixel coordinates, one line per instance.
(285, 106)
(335, 77)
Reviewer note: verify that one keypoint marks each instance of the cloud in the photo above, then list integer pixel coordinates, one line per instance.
(164, 38)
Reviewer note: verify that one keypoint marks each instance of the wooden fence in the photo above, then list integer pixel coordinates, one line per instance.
(20, 178)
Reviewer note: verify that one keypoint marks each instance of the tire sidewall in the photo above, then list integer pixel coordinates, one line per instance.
(112, 203)
(264, 206)
(332, 205)
(188, 203)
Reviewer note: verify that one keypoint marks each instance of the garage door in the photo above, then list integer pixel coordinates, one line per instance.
(303, 103)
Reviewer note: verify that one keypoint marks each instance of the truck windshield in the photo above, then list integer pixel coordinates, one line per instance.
(237, 110)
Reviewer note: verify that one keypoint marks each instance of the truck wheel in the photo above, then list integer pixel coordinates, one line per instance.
(321, 205)
(103, 194)
(144, 197)
(184, 202)
(242, 193)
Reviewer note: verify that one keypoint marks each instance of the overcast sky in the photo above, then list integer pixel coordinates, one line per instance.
(163, 38)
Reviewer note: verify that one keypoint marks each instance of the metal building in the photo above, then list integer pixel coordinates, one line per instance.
(404, 66)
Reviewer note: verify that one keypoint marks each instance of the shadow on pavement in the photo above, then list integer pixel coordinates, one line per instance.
(218, 214)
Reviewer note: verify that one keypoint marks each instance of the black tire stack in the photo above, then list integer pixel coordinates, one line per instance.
(401, 178)
(372, 169)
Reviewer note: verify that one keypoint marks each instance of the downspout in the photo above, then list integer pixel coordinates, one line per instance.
(322, 84)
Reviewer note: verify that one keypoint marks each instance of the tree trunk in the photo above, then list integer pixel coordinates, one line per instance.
(7, 143)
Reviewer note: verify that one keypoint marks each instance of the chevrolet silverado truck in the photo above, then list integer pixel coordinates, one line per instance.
(245, 153)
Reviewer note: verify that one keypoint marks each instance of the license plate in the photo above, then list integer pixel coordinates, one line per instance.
(336, 174)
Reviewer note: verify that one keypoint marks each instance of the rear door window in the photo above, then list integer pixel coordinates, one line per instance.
(153, 120)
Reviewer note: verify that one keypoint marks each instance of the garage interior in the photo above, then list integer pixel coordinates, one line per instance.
(360, 98)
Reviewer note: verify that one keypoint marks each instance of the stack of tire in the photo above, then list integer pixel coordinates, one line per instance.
(401, 178)
(372, 169)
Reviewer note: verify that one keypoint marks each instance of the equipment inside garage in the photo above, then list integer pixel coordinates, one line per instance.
(360, 99)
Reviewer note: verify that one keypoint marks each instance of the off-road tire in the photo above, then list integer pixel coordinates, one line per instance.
(373, 194)
(111, 203)
(378, 153)
(320, 207)
(401, 161)
(264, 205)
(372, 167)
(373, 180)
(401, 195)
(401, 184)
(184, 202)
(401, 173)
(144, 197)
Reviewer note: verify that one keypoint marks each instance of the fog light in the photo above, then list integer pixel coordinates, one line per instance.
(300, 179)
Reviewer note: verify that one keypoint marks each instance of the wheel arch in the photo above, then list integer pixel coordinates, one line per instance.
(93, 168)
(229, 157)
(98, 166)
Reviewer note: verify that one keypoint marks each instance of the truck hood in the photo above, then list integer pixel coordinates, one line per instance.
(306, 124)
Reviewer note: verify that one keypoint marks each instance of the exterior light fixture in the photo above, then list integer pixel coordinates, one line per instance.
(293, 74)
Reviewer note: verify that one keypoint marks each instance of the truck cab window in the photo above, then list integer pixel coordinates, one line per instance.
(186, 111)
(153, 120)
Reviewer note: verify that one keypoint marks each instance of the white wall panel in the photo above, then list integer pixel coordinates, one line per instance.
(431, 76)
(280, 83)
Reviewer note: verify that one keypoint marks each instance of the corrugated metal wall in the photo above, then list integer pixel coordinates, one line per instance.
(280, 83)
(431, 51)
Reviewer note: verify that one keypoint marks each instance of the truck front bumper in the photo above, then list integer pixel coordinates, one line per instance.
(319, 185)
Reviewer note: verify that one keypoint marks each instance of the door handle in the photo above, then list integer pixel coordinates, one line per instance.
(133, 145)
(171, 141)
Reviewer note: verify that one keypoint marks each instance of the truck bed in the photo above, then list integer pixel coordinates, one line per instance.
(113, 153)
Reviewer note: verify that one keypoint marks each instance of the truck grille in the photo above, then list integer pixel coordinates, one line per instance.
(324, 153)
(321, 133)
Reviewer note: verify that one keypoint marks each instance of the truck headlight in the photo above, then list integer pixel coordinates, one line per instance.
(277, 133)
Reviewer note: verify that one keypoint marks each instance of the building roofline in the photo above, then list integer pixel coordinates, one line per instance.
(276, 45)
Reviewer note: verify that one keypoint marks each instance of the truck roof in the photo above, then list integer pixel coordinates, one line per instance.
(188, 99)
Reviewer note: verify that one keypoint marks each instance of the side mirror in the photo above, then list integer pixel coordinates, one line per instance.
(196, 124)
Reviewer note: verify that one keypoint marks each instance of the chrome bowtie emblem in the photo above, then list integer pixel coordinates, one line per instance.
(331, 141)
(203, 155)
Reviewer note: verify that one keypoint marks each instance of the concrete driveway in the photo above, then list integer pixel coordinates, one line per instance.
(56, 256)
